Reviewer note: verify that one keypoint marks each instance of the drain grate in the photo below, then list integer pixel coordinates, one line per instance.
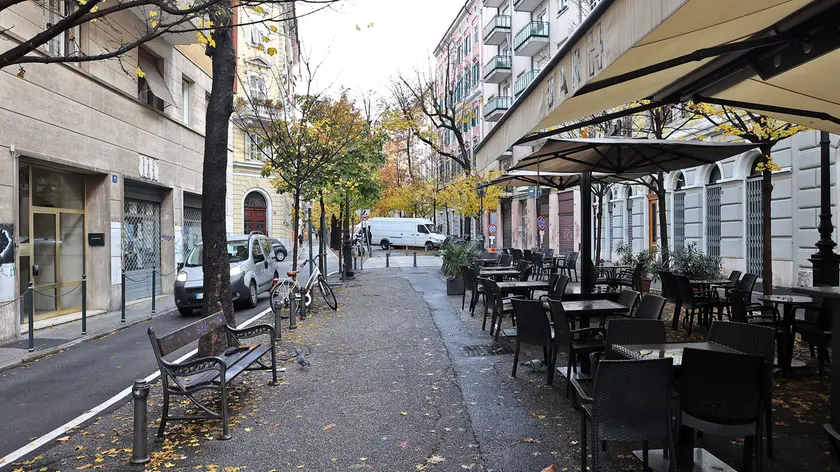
(482, 350)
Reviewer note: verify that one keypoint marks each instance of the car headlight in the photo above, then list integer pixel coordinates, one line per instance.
(181, 277)
(235, 270)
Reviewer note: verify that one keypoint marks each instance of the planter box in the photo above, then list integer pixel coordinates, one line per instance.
(455, 286)
(645, 285)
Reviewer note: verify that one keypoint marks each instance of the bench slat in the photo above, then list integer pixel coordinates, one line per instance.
(183, 336)
(236, 363)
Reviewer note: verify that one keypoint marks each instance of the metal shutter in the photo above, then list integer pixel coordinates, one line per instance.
(542, 206)
(141, 247)
(713, 221)
(566, 221)
(507, 223)
(679, 221)
(754, 228)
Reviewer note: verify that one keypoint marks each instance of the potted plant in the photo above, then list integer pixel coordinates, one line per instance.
(454, 257)
(648, 259)
(695, 265)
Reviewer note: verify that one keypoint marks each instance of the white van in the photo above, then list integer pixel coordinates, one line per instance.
(409, 232)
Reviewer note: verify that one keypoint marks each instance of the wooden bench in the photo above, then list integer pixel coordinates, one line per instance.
(208, 373)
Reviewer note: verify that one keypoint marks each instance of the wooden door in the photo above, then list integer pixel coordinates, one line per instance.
(653, 220)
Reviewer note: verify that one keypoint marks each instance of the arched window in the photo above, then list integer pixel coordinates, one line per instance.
(679, 213)
(713, 193)
(753, 221)
(255, 213)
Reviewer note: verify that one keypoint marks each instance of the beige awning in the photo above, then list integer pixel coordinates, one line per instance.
(622, 36)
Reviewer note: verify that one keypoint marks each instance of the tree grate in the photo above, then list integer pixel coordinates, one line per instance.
(482, 350)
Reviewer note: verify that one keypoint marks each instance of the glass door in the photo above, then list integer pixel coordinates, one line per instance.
(45, 263)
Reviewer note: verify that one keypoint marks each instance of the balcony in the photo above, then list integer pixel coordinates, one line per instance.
(522, 83)
(530, 39)
(494, 3)
(526, 5)
(496, 107)
(498, 69)
(496, 30)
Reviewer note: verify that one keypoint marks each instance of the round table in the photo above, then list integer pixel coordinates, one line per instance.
(788, 302)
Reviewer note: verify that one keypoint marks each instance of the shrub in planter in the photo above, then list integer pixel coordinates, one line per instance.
(454, 256)
(695, 265)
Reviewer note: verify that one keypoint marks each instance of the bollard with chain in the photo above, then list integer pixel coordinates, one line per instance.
(153, 291)
(387, 259)
(122, 289)
(84, 304)
(30, 291)
(302, 304)
(362, 262)
(140, 450)
(292, 311)
(415, 259)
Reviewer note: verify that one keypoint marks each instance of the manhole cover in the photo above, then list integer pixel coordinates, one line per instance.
(482, 350)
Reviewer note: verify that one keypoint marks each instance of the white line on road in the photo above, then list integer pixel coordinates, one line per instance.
(41, 441)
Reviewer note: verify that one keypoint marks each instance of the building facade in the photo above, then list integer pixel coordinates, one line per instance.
(103, 168)
(266, 77)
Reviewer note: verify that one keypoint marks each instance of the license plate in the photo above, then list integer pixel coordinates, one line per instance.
(199, 296)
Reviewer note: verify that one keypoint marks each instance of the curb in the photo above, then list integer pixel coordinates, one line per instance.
(32, 356)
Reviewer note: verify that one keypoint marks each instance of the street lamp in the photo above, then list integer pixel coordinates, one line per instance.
(481, 190)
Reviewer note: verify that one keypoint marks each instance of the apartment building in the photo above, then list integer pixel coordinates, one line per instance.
(103, 167)
(264, 80)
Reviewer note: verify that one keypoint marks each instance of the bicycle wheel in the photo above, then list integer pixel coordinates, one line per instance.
(280, 296)
(328, 294)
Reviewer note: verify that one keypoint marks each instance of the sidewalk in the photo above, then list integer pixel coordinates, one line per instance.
(52, 339)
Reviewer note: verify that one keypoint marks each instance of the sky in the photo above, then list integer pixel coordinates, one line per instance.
(402, 37)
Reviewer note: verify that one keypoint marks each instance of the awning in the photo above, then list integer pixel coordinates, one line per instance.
(626, 36)
(154, 79)
(559, 181)
(623, 156)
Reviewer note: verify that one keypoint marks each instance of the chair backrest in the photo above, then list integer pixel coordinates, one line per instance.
(532, 323)
(686, 292)
(517, 254)
(747, 283)
(638, 272)
(747, 338)
(670, 289)
(632, 331)
(489, 291)
(721, 387)
(650, 308)
(562, 330)
(632, 399)
(825, 317)
(629, 298)
(505, 250)
(571, 260)
(738, 305)
(527, 255)
(560, 288)
(548, 252)
(734, 278)
(538, 260)
(468, 277)
(505, 259)
(525, 273)
(552, 282)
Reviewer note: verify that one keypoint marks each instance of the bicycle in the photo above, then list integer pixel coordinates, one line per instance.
(283, 290)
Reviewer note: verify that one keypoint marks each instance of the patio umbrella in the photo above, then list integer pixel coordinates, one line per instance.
(626, 155)
(559, 181)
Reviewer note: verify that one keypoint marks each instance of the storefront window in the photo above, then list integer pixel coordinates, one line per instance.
(56, 189)
(23, 204)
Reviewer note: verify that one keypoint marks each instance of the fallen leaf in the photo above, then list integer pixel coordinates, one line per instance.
(404, 444)
(528, 440)
(404, 413)
(63, 439)
(435, 459)
(330, 426)
(549, 469)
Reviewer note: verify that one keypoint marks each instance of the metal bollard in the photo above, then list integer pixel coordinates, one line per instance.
(30, 290)
(140, 449)
(84, 304)
(153, 291)
(292, 311)
(278, 321)
(355, 263)
(362, 262)
(415, 259)
(122, 289)
(302, 305)
(387, 259)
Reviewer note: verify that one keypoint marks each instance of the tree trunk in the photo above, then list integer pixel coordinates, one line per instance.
(766, 227)
(665, 249)
(216, 264)
(322, 243)
(296, 231)
(599, 225)
(446, 209)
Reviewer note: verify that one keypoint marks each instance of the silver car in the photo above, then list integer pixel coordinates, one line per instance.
(253, 267)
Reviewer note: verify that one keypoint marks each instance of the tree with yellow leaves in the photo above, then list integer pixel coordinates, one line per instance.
(764, 132)
(463, 195)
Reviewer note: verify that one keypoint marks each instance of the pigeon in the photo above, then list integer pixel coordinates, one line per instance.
(301, 359)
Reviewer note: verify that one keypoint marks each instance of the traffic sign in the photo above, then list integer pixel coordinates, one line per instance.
(542, 224)
(492, 228)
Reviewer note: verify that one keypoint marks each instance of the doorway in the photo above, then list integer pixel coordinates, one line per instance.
(255, 210)
(653, 220)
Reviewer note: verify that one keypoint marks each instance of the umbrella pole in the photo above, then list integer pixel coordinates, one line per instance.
(586, 275)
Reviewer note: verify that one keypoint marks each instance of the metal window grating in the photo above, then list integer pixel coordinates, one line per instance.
(679, 221)
(754, 227)
(192, 229)
(141, 247)
(713, 221)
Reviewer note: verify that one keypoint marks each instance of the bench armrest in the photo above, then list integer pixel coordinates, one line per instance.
(195, 366)
(253, 331)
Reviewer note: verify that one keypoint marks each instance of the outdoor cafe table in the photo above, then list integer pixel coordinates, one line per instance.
(706, 284)
(487, 261)
(787, 301)
(498, 273)
(703, 460)
(527, 286)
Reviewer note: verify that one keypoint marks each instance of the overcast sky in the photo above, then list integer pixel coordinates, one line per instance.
(403, 35)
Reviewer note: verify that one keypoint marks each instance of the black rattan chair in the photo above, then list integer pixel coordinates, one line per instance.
(671, 292)
(650, 308)
(577, 346)
(630, 402)
(534, 327)
(570, 265)
(629, 299)
(517, 254)
(734, 278)
(722, 393)
(695, 302)
(815, 329)
(505, 260)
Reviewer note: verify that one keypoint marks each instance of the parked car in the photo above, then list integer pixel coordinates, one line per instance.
(279, 249)
(409, 232)
(253, 267)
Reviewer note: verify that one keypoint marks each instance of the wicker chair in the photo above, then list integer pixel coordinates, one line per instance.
(517, 254)
(629, 299)
(695, 301)
(734, 278)
(671, 292)
(758, 341)
(476, 289)
(570, 265)
(650, 308)
(722, 393)
(815, 329)
(505, 260)
(577, 347)
(630, 402)
(491, 302)
(534, 327)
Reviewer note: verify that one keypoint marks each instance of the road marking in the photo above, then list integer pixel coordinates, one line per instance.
(41, 441)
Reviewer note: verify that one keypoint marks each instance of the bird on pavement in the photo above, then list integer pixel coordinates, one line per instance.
(301, 359)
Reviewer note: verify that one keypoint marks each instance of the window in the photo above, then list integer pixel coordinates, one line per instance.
(257, 33)
(257, 87)
(476, 73)
(422, 229)
(475, 35)
(561, 6)
(151, 88)
(467, 45)
(186, 92)
(66, 43)
(252, 149)
(257, 252)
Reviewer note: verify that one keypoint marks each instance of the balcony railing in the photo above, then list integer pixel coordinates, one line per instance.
(501, 22)
(534, 29)
(498, 62)
(496, 105)
(522, 83)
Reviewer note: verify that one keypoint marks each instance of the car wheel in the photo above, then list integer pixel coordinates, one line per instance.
(252, 295)
(281, 256)
(385, 244)
(185, 311)
(430, 246)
